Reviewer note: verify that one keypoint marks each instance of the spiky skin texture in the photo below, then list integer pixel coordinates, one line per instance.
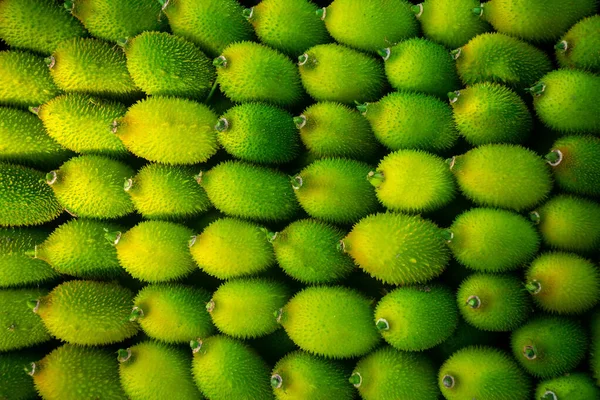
(168, 192)
(169, 130)
(75, 372)
(15, 384)
(307, 251)
(155, 371)
(493, 240)
(330, 321)
(336, 190)
(502, 175)
(259, 133)
(583, 46)
(398, 249)
(25, 79)
(335, 130)
(404, 120)
(495, 57)
(162, 64)
(564, 103)
(413, 181)
(555, 345)
(255, 72)
(243, 308)
(334, 72)
(19, 327)
(536, 20)
(83, 123)
(483, 373)
(388, 374)
(92, 186)
(79, 248)
(24, 197)
(417, 318)
(564, 283)
(595, 346)
(174, 313)
(420, 65)
(576, 386)
(491, 113)
(88, 312)
(247, 191)
(579, 169)
(230, 248)
(37, 25)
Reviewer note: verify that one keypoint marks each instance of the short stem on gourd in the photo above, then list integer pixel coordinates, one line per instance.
(554, 158)
(220, 62)
(210, 305)
(34, 305)
(296, 182)
(382, 324)
(448, 381)
(533, 287)
(385, 53)
(456, 53)
(478, 10)
(375, 178)
(321, 13)
(474, 302)
(51, 178)
(278, 315)
(453, 96)
(417, 10)
(529, 352)
(447, 235)
(122, 42)
(128, 184)
(534, 217)
(50, 61)
(136, 313)
(30, 369)
(549, 395)
(355, 379)
(113, 237)
(248, 13)
(276, 381)
(537, 89)
(303, 59)
(192, 240)
(196, 345)
(222, 125)
(34, 110)
(362, 107)
(562, 46)
(68, 5)
(123, 355)
(300, 121)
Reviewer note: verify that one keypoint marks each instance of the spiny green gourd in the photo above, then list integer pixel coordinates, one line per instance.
(403, 120)
(575, 386)
(259, 133)
(16, 384)
(483, 373)
(416, 318)
(92, 186)
(86, 312)
(398, 249)
(502, 175)
(335, 190)
(248, 71)
(579, 47)
(413, 181)
(547, 347)
(84, 123)
(19, 327)
(230, 248)
(327, 70)
(173, 313)
(169, 130)
(490, 113)
(563, 283)
(162, 64)
(493, 240)
(387, 374)
(244, 190)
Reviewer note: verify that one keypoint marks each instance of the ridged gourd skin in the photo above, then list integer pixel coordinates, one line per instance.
(84, 123)
(244, 190)
(493, 240)
(595, 346)
(403, 120)
(336, 190)
(24, 197)
(483, 372)
(488, 112)
(582, 46)
(15, 384)
(388, 374)
(575, 386)
(420, 65)
(154, 371)
(398, 249)
(307, 250)
(37, 25)
(563, 99)
(167, 192)
(162, 64)
(302, 376)
(173, 313)
(495, 57)
(413, 181)
(503, 175)
(330, 321)
(231, 248)
(577, 168)
(75, 372)
(248, 71)
(25, 79)
(493, 302)
(563, 283)
(19, 326)
(88, 313)
(259, 133)
(244, 308)
(547, 347)
(92, 186)
(333, 72)
(414, 318)
(225, 368)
